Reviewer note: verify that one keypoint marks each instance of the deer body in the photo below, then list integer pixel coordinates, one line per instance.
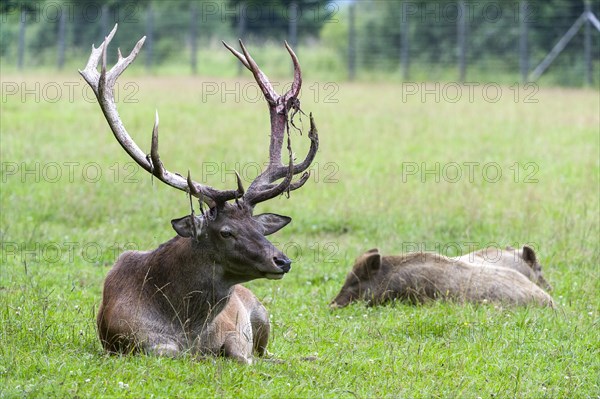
(183, 296)
(162, 301)
(420, 276)
(158, 315)
(206, 315)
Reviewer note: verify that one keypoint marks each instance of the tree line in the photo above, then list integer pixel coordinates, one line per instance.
(379, 34)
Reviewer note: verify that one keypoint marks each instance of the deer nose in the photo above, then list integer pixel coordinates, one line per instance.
(285, 264)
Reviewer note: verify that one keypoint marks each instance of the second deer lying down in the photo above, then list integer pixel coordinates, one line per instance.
(523, 260)
(183, 296)
(421, 276)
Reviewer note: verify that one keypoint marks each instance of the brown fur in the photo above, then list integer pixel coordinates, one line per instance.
(240, 329)
(523, 260)
(420, 276)
(163, 301)
(168, 300)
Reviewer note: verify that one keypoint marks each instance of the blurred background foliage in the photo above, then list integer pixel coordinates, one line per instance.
(368, 39)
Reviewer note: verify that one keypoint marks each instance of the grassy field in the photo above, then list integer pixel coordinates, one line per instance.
(396, 170)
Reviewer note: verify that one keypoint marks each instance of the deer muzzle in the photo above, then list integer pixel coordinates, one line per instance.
(281, 262)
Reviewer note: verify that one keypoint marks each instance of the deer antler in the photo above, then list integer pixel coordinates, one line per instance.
(102, 83)
(263, 187)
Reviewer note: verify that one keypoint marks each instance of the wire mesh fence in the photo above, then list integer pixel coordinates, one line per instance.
(501, 41)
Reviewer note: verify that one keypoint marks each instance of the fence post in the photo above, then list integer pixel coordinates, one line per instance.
(587, 44)
(62, 37)
(352, 42)
(558, 47)
(21, 51)
(404, 40)
(241, 29)
(193, 37)
(149, 37)
(293, 25)
(104, 28)
(462, 40)
(523, 41)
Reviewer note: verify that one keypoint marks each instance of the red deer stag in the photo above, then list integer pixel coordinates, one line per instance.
(180, 296)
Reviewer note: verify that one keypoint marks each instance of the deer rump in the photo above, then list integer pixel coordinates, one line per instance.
(185, 295)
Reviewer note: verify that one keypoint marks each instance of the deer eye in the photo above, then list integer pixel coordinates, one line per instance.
(226, 233)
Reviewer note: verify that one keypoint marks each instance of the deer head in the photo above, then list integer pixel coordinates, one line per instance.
(227, 232)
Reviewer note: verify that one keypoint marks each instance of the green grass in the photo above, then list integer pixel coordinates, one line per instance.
(61, 235)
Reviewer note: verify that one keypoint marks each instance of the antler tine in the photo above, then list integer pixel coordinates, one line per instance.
(90, 73)
(263, 187)
(240, 189)
(157, 165)
(103, 86)
(300, 182)
(238, 55)
(261, 79)
(297, 85)
(313, 135)
(191, 186)
(193, 192)
(206, 194)
(120, 66)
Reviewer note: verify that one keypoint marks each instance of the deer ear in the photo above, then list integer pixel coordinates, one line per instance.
(271, 222)
(184, 228)
(529, 255)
